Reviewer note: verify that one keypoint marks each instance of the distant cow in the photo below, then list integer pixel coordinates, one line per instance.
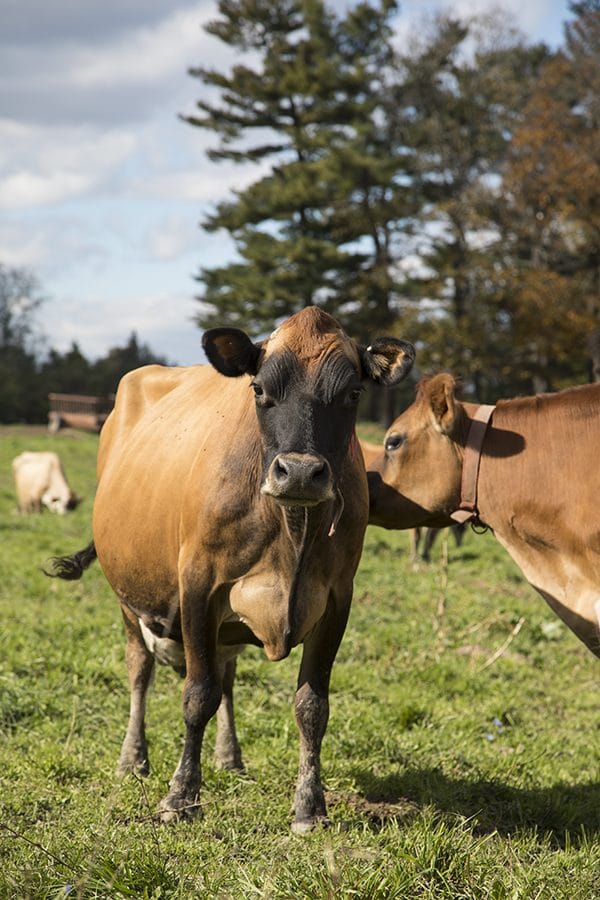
(421, 539)
(231, 511)
(531, 475)
(40, 481)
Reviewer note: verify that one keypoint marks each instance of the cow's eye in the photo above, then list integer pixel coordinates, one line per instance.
(263, 400)
(394, 441)
(352, 397)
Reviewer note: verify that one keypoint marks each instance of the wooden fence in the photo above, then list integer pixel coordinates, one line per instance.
(78, 411)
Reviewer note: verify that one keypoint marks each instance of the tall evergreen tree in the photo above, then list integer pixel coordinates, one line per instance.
(315, 228)
(107, 371)
(67, 373)
(465, 86)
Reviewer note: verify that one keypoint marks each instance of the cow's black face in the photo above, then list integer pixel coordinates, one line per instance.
(307, 384)
(306, 419)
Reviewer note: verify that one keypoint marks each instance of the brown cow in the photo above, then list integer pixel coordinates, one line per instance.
(421, 539)
(537, 487)
(232, 511)
(40, 481)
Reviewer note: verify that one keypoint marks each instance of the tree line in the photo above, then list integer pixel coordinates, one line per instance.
(444, 187)
(28, 373)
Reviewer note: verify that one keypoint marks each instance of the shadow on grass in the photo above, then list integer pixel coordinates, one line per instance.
(562, 812)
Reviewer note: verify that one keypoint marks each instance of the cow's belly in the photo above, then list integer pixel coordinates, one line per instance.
(137, 552)
(570, 586)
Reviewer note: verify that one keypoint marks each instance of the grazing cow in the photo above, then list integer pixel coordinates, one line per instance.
(529, 474)
(419, 538)
(232, 511)
(40, 480)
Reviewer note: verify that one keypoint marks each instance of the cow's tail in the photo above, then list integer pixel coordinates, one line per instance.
(71, 567)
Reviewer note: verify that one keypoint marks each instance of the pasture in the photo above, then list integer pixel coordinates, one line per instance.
(462, 757)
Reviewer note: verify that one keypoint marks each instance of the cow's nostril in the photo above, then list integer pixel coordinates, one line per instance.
(281, 470)
(319, 470)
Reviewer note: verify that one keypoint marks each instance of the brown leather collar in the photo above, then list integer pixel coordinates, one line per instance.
(467, 508)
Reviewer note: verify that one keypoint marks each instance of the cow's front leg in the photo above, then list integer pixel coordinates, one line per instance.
(201, 698)
(140, 667)
(312, 713)
(228, 753)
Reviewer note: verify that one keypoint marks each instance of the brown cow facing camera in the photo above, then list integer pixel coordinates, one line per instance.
(231, 508)
(526, 468)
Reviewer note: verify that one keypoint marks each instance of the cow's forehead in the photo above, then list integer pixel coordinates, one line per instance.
(311, 336)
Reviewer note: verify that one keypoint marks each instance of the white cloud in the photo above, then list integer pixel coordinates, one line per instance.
(163, 320)
(47, 165)
(50, 245)
(171, 238)
(44, 22)
(200, 185)
(124, 77)
(28, 189)
(143, 57)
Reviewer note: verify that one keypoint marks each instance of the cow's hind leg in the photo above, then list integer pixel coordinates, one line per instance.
(228, 753)
(312, 713)
(140, 667)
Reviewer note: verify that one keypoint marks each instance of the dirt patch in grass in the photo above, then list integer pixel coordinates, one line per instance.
(376, 809)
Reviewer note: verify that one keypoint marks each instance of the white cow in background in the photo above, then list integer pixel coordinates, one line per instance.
(40, 481)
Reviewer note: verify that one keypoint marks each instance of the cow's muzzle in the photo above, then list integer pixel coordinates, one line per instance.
(299, 479)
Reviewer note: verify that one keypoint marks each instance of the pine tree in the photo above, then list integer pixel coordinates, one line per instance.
(466, 84)
(316, 228)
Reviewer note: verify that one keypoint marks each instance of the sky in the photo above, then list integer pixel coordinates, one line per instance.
(103, 187)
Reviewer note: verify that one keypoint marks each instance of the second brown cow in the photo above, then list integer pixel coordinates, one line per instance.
(537, 488)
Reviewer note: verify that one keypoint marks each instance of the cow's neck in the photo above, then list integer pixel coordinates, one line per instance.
(295, 520)
(468, 509)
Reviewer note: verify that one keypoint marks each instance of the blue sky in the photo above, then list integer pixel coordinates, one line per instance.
(102, 187)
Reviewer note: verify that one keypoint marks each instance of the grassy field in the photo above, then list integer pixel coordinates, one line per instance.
(461, 759)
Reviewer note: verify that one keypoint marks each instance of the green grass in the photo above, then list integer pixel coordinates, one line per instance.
(452, 770)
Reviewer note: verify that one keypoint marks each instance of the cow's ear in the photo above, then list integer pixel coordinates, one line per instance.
(387, 360)
(231, 351)
(441, 396)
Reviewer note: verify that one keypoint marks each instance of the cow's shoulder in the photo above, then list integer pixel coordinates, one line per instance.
(158, 395)
(140, 389)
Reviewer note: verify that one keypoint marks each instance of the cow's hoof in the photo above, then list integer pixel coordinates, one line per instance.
(178, 809)
(229, 764)
(133, 759)
(133, 767)
(304, 826)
